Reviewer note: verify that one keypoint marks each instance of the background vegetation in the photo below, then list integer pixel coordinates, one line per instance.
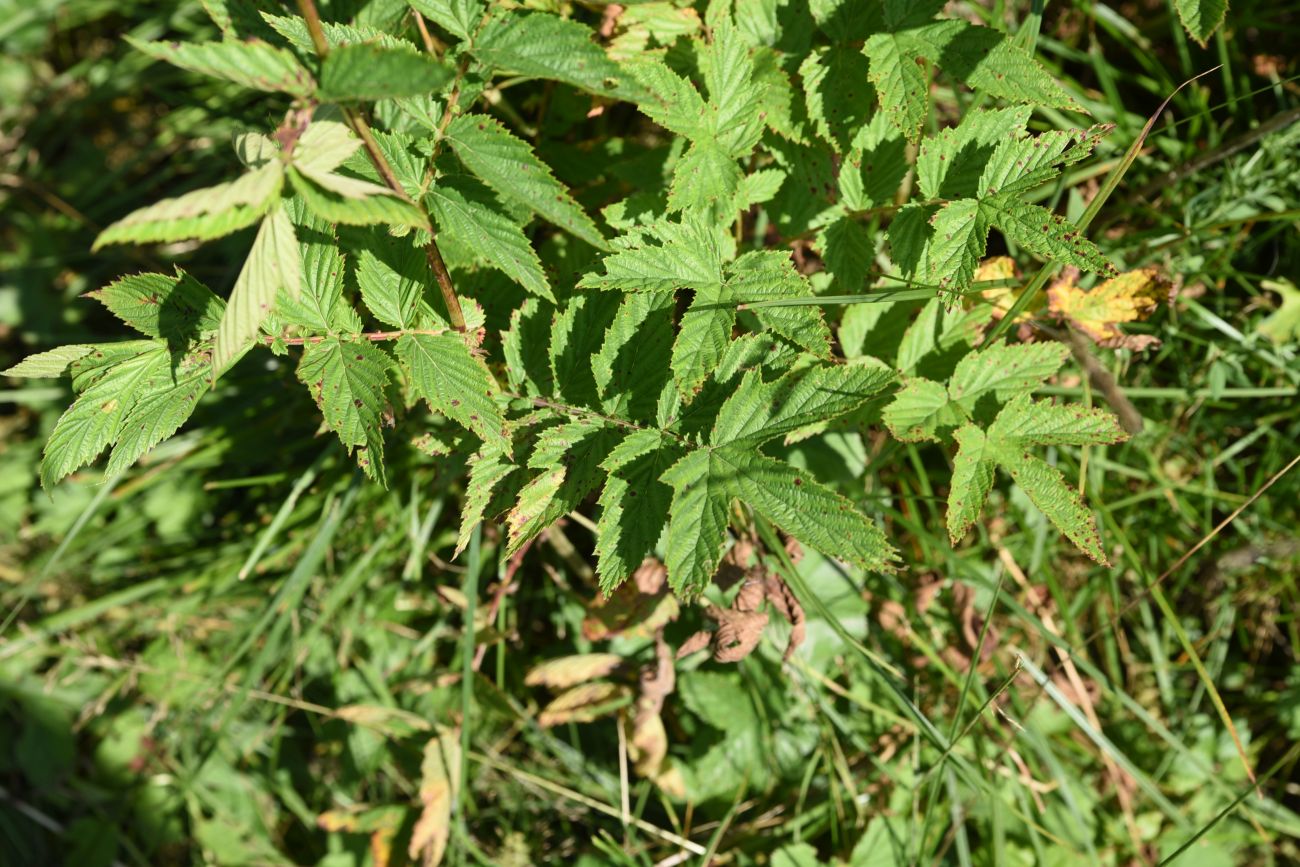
(238, 652)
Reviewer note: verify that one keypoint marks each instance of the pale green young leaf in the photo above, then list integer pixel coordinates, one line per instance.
(495, 239)
(254, 64)
(457, 17)
(634, 504)
(759, 411)
(508, 164)
(353, 202)
(178, 309)
(273, 263)
(735, 99)
(95, 418)
(972, 479)
(697, 520)
(666, 255)
(347, 379)
(294, 29)
(202, 214)
(539, 45)
(443, 372)
(50, 364)
(802, 507)
(1201, 17)
(363, 72)
(324, 146)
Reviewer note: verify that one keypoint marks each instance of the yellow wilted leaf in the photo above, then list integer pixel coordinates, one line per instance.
(438, 788)
(570, 670)
(1283, 324)
(636, 609)
(1002, 297)
(381, 823)
(585, 703)
(1130, 297)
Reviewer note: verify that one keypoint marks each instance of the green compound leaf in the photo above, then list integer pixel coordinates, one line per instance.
(1021, 424)
(363, 72)
(254, 64)
(457, 17)
(347, 379)
(634, 504)
(508, 164)
(50, 364)
(202, 214)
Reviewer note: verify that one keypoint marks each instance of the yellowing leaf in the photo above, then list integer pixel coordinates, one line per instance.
(1003, 268)
(438, 788)
(570, 670)
(585, 703)
(1283, 325)
(1130, 297)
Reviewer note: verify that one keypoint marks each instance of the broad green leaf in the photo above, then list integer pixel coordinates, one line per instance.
(631, 367)
(1201, 17)
(961, 231)
(919, 409)
(1025, 422)
(989, 61)
(634, 505)
(294, 29)
(972, 479)
(202, 214)
(952, 163)
(94, 420)
(347, 379)
(444, 372)
(353, 202)
(1044, 233)
(570, 469)
(702, 338)
(667, 255)
(576, 336)
(166, 398)
(1004, 371)
(704, 177)
(1048, 490)
(495, 239)
(900, 82)
(840, 100)
(671, 101)
(457, 17)
(50, 364)
(759, 411)
(363, 72)
(508, 164)
(255, 64)
(391, 275)
(767, 275)
(539, 45)
(273, 263)
(803, 507)
(735, 98)
(697, 520)
(179, 309)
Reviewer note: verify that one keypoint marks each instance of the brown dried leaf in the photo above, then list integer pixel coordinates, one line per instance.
(569, 670)
(584, 703)
(637, 608)
(1098, 313)
(438, 788)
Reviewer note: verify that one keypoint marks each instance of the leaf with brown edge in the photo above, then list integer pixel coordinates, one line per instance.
(1098, 313)
(438, 789)
(569, 671)
(584, 703)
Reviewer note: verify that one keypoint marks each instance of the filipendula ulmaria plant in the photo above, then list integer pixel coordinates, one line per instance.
(661, 356)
